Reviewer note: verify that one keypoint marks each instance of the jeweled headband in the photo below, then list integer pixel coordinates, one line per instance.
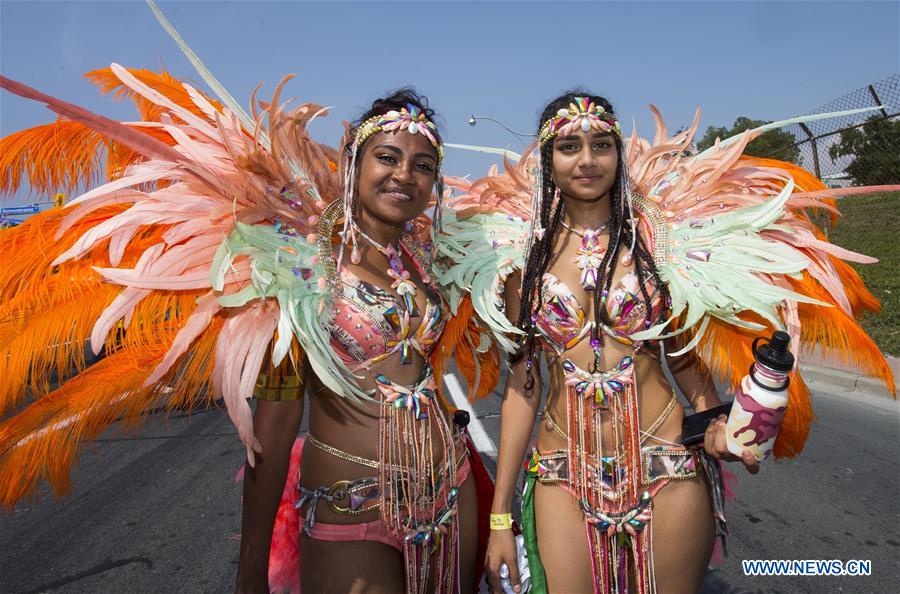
(409, 118)
(581, 114)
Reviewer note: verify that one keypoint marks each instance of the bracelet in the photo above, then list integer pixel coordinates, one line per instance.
(501, 521)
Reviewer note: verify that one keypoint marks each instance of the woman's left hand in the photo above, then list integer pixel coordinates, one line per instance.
(715, 444)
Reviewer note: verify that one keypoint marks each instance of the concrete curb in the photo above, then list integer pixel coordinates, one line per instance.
(842, 380)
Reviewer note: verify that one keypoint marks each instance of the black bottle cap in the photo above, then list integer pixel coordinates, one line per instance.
(775, 354)
(461, 418)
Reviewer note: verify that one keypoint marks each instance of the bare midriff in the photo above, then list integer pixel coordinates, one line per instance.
(353, 429)
(653, 393)
(652, 389)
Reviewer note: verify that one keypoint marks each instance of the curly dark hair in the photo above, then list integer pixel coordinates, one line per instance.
(550, 215)
(396, 99)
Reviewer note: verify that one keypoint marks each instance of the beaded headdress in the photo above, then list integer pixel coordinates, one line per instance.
(409, 119)
(582, 114)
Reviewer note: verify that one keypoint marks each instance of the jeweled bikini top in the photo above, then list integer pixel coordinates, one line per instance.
(561, 322)
(370, 323)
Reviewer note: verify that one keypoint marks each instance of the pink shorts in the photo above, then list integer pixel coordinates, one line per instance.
(375, 530)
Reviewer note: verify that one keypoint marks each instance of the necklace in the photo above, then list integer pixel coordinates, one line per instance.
(582, 232)
(402, 284)
(590, 254)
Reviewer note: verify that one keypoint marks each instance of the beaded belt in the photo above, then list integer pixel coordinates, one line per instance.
(357, 496)
(657, 463)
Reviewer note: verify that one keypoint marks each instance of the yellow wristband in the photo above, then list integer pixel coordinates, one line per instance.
(501, 521)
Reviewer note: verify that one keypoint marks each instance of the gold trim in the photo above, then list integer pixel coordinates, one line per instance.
(329, 218)
(343, 490)
(345, 455)
(338, 453)
(647, 434)
(645, 479)
(552, 456)
(660, 419)
(660, 229)
(278, 394)
(339, 490)
(286, 382)
(552, 423)
(370, 127)
(279, 381)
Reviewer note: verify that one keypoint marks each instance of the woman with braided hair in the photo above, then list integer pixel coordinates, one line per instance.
(589, 280)
(246, 259)
(611, 259)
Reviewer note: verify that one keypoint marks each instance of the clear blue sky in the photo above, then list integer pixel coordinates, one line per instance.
(764, 60)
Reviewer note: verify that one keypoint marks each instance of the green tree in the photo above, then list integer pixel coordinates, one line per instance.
(875, 148)
(774, 144)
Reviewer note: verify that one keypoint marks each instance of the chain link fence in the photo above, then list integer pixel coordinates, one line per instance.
(861, 149)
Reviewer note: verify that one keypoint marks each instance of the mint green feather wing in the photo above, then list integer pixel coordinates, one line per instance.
(286, 267)
(475, 255)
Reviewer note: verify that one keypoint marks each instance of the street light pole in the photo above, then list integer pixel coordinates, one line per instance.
(473, 120)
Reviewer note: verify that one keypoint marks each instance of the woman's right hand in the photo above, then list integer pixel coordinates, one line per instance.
(502, 549)
(275, 423)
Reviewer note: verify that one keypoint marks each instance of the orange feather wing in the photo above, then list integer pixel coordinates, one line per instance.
(725, 349)
(460, 341)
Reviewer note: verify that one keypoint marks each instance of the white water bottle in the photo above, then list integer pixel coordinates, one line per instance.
(761, 399)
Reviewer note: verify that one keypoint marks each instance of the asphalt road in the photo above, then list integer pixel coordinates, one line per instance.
(159, 511)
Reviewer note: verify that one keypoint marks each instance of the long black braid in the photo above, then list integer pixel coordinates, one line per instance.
(550, 214)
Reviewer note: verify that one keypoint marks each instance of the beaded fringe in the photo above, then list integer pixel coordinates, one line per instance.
(622, 559)
(409, 500)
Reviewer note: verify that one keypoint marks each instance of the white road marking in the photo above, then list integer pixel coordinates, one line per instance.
(480, 438)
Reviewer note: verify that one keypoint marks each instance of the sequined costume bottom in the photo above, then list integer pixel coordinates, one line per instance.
(615, 491)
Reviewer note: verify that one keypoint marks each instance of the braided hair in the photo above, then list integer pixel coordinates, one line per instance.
(550, 214)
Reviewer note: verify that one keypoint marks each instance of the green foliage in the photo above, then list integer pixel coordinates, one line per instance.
(869, 226)
(774, 144)
(875, 148)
